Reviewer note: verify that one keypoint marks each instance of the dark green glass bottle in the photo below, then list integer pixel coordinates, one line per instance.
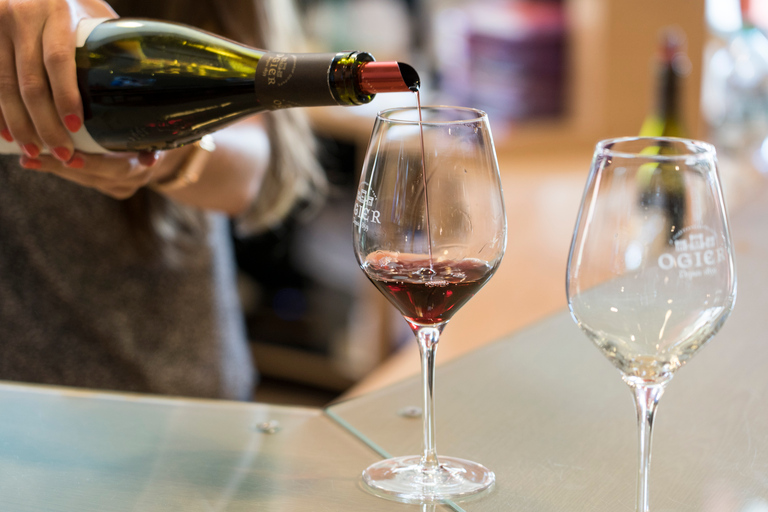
(151, 85)
(666, 118)
(662, 185)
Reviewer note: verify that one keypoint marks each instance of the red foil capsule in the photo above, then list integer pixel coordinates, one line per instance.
(376, 77)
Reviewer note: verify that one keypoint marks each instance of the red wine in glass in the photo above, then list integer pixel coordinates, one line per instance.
(426, 291)
(429, 232)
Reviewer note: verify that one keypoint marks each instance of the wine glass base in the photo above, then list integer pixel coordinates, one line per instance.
(404, 479)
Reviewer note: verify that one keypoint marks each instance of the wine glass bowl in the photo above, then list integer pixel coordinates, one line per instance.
(651, 275)
(429, 232)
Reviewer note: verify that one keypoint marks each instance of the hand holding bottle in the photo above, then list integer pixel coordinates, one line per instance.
(39, 98)
(118, 175)
(150, 85)
(40, 104)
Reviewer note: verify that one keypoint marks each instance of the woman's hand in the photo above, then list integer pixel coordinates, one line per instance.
(40, 105)
(39, 99)
(118, 175)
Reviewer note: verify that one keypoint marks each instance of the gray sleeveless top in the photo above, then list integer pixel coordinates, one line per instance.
(78, 307)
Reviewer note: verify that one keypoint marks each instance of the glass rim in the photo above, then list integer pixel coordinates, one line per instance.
(604, 147)
(477, 115)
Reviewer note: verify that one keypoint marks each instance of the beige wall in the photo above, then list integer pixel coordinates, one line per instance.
(612, 50)
(627, 57)
(613, 45)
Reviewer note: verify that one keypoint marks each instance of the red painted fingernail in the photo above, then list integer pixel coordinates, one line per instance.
(31, 150)
(148, 159)
(76, 163)
(72, 122)
(6, 134)
(62, 154)
(31, 163)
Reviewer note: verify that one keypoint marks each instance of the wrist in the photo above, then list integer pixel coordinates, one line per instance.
(189, 170)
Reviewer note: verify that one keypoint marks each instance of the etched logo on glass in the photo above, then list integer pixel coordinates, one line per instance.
(696, 253)
(364, 212)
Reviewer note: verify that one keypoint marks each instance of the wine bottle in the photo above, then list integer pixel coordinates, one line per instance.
(152, 85)
(662, 185)
(666, 119)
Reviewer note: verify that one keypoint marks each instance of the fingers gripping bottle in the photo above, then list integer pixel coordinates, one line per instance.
(152, 85)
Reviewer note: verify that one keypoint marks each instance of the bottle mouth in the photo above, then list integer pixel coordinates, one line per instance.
(376, 77)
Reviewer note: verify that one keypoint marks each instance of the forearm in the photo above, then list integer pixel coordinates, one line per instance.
(232, 174)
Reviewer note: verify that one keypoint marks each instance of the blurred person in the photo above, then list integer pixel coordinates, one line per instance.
(109, 277)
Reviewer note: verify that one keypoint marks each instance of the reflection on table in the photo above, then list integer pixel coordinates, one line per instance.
(73, 451)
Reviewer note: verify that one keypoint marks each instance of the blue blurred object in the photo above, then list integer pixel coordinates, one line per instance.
(735, 85)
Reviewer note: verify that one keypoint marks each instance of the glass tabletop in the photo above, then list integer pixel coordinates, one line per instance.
(552, 417)
(541, 408)
(77, 451)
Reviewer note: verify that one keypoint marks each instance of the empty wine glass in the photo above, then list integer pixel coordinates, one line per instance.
(651, 275)
(429, 232)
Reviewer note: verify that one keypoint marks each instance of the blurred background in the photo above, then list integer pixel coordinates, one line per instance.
(555, 77)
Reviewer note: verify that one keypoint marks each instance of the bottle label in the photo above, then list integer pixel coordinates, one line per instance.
(9, 148)
(84, 29)
(81, 139)
(294, 80)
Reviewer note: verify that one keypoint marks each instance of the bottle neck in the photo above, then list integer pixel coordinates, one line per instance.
(355, 78)
(344, 78)
(668, 94)
(665, 116)
(666, 119)
(307, 79)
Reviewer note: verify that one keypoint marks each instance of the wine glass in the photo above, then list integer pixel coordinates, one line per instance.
(651, 275)
(429, 232)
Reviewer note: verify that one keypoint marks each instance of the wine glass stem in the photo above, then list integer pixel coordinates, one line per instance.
(428, 338)
(646, 401)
